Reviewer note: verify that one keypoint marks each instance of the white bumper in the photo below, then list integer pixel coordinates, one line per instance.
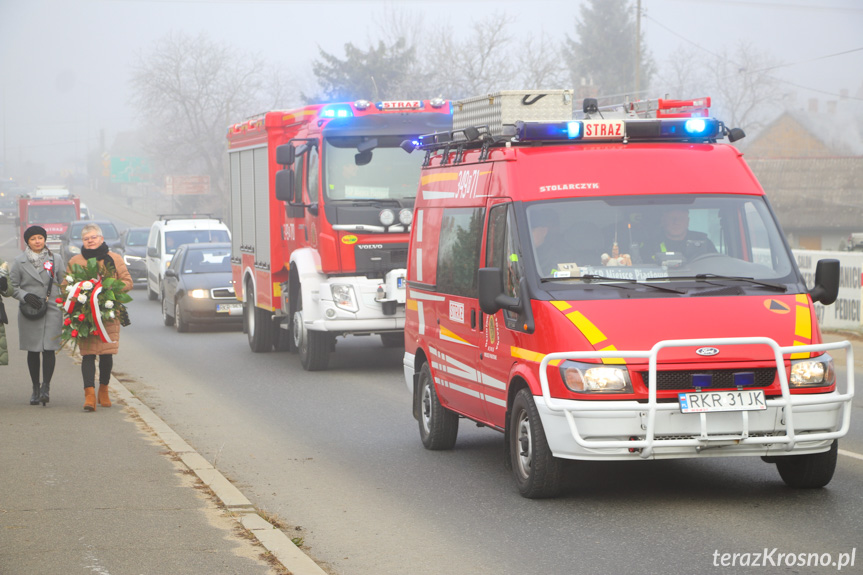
(370, 306)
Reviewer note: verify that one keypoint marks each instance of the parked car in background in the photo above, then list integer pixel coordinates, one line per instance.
(70, 241)
(86, 214)
(133, 248)
(8, 208)
(198, 288)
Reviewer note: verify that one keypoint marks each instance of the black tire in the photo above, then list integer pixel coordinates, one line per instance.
(538, 474)
(808, 471)
(167, 319)
(393, 339)
(313, 346)
(181, 325)
(282, 339)
(151, 295)
(438, 425)
(258, 323)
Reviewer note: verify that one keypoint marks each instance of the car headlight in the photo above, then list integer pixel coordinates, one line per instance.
(130, 259)
(74, 250)
(199, 294)
(343, 297)
(812, 372)
(595, 378)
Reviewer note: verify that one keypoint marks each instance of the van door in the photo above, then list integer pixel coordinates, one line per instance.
(501, 331)
(455, 354)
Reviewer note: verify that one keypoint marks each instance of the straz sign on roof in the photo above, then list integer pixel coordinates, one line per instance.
(597, 129)
(400, 105)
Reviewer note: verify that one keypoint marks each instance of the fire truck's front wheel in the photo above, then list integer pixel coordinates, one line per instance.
(313, 346)
(438, 425)
(257, 323)
(537, 472)
(808, 471)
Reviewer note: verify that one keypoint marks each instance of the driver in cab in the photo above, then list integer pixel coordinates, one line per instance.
(678, 241)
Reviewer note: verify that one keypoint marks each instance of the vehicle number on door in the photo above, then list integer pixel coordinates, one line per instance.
(738, 400)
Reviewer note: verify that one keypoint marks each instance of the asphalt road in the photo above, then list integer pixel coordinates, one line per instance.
(336, 456)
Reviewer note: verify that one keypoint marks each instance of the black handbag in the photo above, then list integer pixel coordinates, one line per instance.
(32, 313)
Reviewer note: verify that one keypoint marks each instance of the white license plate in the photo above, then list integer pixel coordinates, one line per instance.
(229, 307)
(737, 400)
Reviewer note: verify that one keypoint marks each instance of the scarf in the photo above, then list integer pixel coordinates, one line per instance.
(101, 254)
(37, 259)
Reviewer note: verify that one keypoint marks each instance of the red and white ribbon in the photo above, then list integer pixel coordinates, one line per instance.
(97, 313)
(72, 298)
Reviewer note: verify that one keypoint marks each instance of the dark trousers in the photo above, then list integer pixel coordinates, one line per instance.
(88, 369)
(48, 361)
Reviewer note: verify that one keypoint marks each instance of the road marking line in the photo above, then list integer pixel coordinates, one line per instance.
(851, 454)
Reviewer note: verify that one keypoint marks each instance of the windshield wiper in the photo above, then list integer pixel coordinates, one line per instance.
(627, 282)
(704, 277)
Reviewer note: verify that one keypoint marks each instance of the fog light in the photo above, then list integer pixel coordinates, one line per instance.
(387, 217)
(330, 313)
(406, 217)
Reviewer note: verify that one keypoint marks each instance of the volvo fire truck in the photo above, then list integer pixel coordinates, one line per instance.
(321, 208)
(613, 286)
(53, 208)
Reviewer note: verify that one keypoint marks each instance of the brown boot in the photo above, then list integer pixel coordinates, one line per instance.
(89, 399)
(104, 400)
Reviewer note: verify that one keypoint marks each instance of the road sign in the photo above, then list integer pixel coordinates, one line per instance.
(187, 185)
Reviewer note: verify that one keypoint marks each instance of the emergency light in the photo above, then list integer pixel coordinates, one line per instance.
(619, 130)
(336, 111)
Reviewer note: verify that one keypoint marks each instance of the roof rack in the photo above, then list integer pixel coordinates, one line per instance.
(168, 217)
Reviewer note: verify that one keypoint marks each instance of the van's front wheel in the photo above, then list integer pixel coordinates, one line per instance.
(808, 471)
(537, 472)
(438, 425)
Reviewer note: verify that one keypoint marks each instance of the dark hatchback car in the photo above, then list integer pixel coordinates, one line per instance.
(133, 248)
(198, 288)
(70, 241)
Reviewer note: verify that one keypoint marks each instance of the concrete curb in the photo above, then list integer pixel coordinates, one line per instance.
(270, 537)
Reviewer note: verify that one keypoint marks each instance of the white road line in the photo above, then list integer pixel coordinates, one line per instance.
(851, 454)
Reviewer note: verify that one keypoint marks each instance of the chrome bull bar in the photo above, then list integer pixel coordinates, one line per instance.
(786, 402)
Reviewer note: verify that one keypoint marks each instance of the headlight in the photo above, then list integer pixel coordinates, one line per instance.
(387, 217)
(74, 250)
(343, 297)
(812, 372)
(595, 378)
(199, 294)
(130, 259)
(406, 217)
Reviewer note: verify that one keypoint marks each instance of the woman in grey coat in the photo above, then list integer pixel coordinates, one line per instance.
(40, 338)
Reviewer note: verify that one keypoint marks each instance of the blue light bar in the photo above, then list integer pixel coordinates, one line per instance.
(540, 131)
(701, 380)
(744, 379)
(336, 111)
(697, 128)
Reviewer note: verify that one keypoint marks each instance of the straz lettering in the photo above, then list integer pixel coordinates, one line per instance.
(456, 311)
(563, 187)
(603, 129)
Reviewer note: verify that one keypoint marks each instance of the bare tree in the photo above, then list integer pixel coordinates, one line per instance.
(541, 65)
(188, 90)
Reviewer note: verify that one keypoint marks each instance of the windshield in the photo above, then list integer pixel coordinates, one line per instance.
(392, 174)
(54, 214)
(173, 240)
(205, 261)
(642, 237)
(137, 237)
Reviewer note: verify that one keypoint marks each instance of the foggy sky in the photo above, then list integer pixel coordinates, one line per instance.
(64, 64)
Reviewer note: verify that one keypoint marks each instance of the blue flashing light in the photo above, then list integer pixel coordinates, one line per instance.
(744, 379)
(701, 380)
(540, 131)
(690, 128)
(337, 111)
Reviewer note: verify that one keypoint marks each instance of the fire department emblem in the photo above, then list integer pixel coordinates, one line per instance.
(491, 336)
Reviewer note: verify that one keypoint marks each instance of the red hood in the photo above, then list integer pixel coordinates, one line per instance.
(639, 324)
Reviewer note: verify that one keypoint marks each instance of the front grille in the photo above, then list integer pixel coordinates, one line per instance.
(721, 378)
(223, 293)
(381, 260)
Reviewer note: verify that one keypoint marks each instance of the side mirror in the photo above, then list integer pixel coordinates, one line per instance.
(285, 185)
(826, 288)
(490, 286)
(151, 252)
(363, 158)
(285, 154)
(171, 273)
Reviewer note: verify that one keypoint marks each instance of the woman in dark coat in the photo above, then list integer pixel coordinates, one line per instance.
(32, 272)
(110, 265)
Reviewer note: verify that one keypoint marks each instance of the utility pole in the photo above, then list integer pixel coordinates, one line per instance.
(638, 50)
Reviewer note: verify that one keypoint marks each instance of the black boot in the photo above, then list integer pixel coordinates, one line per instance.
(34, 399)
(43, 392)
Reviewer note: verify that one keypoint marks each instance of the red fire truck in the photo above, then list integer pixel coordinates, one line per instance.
(53, 208)
(321, 204)
(613, 287)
